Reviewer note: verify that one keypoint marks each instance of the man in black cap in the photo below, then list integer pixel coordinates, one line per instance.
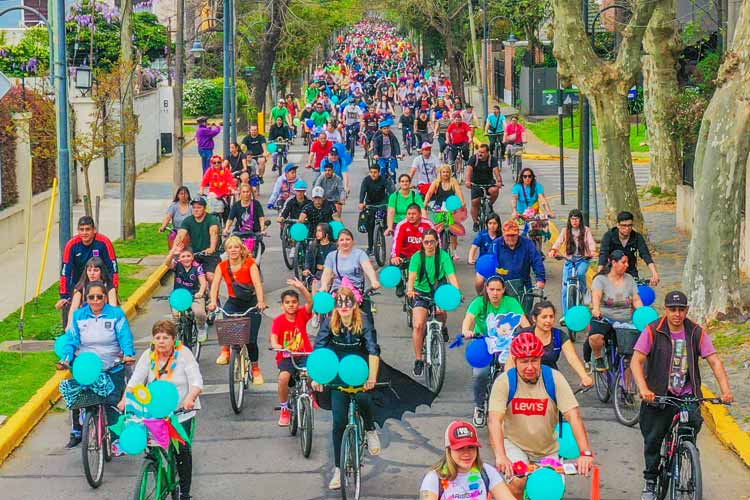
(204, 230)
(665, 363)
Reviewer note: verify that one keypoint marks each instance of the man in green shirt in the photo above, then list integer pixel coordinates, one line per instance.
(480, 318)
(280, 110)
(204, 231)
(320, 116)
(427, 269)
(399, 201)
(311, 93)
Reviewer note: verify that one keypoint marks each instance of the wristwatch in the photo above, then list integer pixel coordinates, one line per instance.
(587, 453)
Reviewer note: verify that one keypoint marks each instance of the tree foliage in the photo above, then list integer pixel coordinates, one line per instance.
(526, 17)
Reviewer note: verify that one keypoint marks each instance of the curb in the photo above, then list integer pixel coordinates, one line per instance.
(725, 428)
(641, 160)
(23, 421)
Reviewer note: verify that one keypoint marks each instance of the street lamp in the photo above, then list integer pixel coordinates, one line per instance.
(83, 77)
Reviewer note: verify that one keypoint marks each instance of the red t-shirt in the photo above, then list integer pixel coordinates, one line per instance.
(459, 132)
(242, 275)
(320, 151)
(293, 335)
(407, 239)
(516, 129)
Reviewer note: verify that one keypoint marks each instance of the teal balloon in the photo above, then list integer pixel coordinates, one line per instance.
(453, 203)
(298, 232)
(60, 343)
(447, 297)
(181, 299)
(322, 365)
(164, 399)
(134, 438)
(334, 99)
(323, 303)
(86, 368)
(578, 318)
(643, 316)
(336, 227)
(353, 370)
(545, 484)
(390, 276)
(272, 147)
(568, 447)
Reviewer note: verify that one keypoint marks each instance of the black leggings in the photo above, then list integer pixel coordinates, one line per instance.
(235, 306)
(340, 408)
(185, 462)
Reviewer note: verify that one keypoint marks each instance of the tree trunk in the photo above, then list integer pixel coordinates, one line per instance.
(616, 177)
(663, 46)
(271, 40)
(128, 116)
(722, 157)
(453, 58)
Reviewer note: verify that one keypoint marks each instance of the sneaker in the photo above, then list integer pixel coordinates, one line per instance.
(257, 376)
(444, 331)
(335, 482)
(649, 490)
(479, 419)
(74, 441)
(285, 416)
(370, 252)
(600, 364)
(202, 334)
(116, 451)
(475, 227)
(373, 442)
(418, 367)
(223, 358)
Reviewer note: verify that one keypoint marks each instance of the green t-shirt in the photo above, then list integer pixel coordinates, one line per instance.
(200, 235)
(320, 119)
(427, 277)
(400, 203)
(480, 311)
(311, 94)
(279, 112)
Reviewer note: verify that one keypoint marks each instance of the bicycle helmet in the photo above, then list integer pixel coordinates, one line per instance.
(526, 345)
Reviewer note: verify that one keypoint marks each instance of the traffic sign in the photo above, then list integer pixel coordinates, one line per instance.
(4, 85)
(633, 94)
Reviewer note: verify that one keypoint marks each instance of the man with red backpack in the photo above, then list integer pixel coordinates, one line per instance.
(526, 405)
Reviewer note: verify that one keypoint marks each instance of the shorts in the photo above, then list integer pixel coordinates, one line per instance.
(209, 262)
(602, 328)
(516, 454)
(422, 299)
(477, 192)
(286, 365)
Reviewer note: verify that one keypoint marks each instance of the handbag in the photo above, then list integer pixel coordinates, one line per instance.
(242, 292)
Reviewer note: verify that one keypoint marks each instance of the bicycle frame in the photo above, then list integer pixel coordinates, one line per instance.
(166, 469)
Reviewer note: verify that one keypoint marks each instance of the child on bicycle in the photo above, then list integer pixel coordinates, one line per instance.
(189, 274)
(289, 331)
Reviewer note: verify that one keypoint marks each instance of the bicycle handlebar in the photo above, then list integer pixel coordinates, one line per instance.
(686, 401)
(236, 315)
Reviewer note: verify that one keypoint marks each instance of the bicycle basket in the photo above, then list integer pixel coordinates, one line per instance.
(233, 331)
(626, 339)
(87, 398)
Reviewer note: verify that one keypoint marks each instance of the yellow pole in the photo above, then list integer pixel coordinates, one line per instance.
(261, 122)
(47, 235)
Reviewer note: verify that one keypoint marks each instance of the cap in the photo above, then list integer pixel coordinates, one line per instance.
(300, 185)
(426, 145)
(289, 167)
(308, 105)
(334, 151)
(510, 227)
(675, 299)
(318, 192)
(200, 201)
(461, 434)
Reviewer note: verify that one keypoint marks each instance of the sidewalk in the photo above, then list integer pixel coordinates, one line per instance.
(153, 193)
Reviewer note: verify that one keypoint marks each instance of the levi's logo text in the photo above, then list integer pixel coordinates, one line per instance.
(529, 406)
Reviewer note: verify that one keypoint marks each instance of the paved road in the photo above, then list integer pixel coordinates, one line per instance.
(248, 457)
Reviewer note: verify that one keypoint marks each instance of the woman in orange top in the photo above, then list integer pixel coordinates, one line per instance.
(245, 290)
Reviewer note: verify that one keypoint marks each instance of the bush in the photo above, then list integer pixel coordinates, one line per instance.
(30, 57)
(206, 97)
(708, 69)
(689, 106)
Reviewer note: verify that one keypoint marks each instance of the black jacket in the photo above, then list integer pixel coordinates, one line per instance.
(374, 192)
(377, 142)
(659, 360)
(635, 245)
(347, 342)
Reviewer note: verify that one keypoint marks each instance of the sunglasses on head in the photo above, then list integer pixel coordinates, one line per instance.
(95, 296)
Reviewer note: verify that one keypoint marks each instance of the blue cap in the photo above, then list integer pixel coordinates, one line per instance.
(300, 185)
(289, 167)
(386, 123)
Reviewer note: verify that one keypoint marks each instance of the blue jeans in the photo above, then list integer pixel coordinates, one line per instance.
(388, 165)
(205, 155)
(580, 267)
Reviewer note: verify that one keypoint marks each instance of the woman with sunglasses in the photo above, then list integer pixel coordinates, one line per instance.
(348, 331)
(576, 244)
(481, 318)
(178, 211)
(96, 270)
(482, 245)
(428, 269)
(529, 194)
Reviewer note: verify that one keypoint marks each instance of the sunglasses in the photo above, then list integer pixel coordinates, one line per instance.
(429, 242)
(95, 296)
(527, 176)
(215, 163)
(347, 302)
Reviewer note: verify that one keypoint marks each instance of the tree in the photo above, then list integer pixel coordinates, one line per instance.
(663, 45)
(526, 16)
(127, 115)
(606, 84)
(722, 158)
(272, 37)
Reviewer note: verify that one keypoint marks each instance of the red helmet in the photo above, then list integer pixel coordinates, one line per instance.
(526, 345)
(457, 114)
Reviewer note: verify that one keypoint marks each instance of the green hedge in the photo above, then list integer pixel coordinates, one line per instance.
(203, 97)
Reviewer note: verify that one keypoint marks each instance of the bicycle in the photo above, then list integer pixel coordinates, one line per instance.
(564, 469)
(433, 347)
(485, 205)
(442, 219)
(526, 296)
(536, 227)
(515, 152)
(571, 288)
(679, 462)
(352, 132)
(300, 253)
(620, 384)
(288, 245)
(409, 141)
(457, 164)
(353, 445)
(234, 330)
(157, 478)
(379, 244)
(187, 332)
(497, 151)
(280, 155)
(300, 404)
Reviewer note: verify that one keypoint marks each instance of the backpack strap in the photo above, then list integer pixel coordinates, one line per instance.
(548, 379)
(486, 480)
(512, 384)
(557, 341)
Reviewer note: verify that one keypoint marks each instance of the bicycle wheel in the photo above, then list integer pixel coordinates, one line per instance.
(687, 481)
(305, 426)
(287, 248)
(435, 372)
(515, 168)
(662, 480)
(601, 384)
(197, 346)
(293, 420)
(460, 169)
(298, 260)
(236, 380)
(92, 452)
(379, 244)
(146, 486)
(350, 471)
(626, 400)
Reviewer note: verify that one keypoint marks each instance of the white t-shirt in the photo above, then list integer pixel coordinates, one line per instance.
(460, 489)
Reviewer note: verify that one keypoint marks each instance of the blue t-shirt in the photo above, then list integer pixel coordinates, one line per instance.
(525, 198)
(484, 241)
(338, 167)
(497, 123)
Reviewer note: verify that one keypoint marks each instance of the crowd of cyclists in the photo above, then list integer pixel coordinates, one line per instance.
(372, 83)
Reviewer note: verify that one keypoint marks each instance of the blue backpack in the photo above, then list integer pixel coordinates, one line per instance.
(548, 378)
